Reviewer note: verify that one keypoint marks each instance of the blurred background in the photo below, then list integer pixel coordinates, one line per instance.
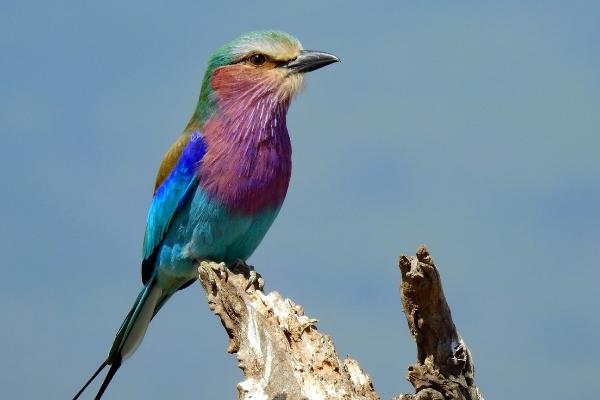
(470, 126)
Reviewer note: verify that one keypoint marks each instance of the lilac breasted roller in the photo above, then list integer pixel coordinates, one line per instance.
(222, 183)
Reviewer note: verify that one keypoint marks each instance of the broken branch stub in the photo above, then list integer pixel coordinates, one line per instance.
(444, 367)
(284, 356)
(279, 349)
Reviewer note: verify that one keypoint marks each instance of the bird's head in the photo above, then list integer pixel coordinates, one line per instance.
(262, 66)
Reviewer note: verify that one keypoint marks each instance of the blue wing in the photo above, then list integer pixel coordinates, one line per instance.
(169, 197)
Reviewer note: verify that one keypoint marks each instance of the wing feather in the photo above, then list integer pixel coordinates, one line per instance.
(176, 180)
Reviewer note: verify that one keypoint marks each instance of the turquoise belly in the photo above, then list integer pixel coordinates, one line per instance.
(206, 230)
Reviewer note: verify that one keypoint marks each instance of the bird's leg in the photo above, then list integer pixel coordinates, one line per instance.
(254, 277)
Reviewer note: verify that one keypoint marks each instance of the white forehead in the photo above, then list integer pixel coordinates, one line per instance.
(277, 45)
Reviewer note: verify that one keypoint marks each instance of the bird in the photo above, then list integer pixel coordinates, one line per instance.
(222, 183)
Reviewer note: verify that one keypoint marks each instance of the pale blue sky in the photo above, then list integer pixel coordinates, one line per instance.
(472, 126)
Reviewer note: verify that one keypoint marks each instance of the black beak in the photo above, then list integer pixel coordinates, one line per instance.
(309, 60)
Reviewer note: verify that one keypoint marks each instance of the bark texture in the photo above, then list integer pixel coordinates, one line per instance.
(284, 357)
(444, 369)
(281, 353)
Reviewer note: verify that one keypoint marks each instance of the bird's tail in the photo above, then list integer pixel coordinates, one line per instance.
(130, 333)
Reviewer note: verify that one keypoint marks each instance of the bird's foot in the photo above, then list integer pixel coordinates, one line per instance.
(253, 278)
(221, 270)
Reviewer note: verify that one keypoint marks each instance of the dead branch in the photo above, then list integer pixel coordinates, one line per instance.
(444, 369)
(284, 357)
(279, 349)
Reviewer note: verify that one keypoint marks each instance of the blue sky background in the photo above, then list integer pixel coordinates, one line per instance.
(472, 127)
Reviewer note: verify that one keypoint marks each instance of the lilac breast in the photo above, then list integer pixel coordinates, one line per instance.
(247, 165)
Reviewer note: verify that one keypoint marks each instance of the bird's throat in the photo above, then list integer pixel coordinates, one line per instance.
(247, 165)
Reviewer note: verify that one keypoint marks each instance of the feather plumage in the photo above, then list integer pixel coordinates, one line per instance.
(222, 183)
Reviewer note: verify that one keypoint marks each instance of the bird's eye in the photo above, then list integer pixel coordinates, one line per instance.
(258, 59)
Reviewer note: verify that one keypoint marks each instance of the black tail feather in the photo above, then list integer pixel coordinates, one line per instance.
(111, 373)
(145, 306)
(104, 364)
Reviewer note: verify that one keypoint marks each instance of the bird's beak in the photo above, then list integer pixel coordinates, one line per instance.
(309, 60)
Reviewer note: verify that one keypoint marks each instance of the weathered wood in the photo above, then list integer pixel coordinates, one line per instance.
(284, 357)
(444, 369)
(279, 349)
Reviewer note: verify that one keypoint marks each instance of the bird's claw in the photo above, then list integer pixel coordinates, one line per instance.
(221, 270)
(253, 276)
